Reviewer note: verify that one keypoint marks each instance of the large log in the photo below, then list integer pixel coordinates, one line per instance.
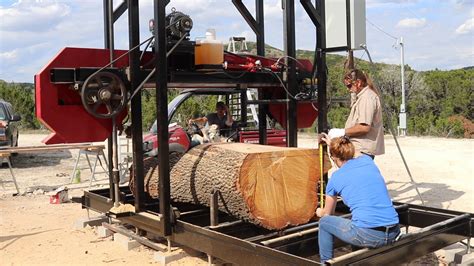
(269, 186)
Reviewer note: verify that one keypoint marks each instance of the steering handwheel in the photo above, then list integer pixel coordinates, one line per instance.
(104, 95)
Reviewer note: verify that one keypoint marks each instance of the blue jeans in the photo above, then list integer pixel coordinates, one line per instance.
(334, 226)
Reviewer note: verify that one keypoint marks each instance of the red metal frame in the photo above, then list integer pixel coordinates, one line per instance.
(274, 137)
(59, 107)
(306, 112)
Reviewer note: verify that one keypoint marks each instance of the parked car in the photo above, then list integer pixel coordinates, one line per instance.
(8, 125)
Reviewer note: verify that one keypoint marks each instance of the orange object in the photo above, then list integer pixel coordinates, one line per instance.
(209, 51)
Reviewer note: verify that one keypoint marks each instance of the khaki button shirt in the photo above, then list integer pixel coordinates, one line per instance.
(366, 109)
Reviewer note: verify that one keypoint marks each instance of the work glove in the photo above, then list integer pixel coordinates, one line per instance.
(336, 132)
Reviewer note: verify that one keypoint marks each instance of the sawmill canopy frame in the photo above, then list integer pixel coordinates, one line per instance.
(161, 83)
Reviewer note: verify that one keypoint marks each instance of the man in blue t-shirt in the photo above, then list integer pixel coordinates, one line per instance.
(359, 183)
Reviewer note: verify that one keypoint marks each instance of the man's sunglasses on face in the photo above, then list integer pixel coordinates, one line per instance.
(348, 83)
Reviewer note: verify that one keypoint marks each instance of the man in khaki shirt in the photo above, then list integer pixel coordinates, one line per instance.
(364, 126)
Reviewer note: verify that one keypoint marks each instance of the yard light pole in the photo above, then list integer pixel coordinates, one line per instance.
(403, 116)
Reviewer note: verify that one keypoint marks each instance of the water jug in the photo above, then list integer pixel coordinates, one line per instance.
(209, 52)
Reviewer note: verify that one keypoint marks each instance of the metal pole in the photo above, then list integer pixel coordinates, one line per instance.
(322, 85)
(161, 77)
(277, 241)
(115, 171)
(243, 103)
(436, 226)
(403, 116)
(108, 44)
(468, 250)
(136, 103)
(260, 26)
(214, 208)
(214, 216)
(110, 17)
(290, 52)
(106, 23)
(321, 69)
(262, 108)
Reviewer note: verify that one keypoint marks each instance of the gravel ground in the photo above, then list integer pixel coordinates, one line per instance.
(32, 231)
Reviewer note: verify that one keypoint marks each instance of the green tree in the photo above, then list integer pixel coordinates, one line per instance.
(21, 96)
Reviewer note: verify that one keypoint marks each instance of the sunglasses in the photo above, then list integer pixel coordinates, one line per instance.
(348, 83)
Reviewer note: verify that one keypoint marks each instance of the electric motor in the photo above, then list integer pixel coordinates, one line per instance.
(178, 24)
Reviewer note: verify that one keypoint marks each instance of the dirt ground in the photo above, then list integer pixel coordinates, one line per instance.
(33, 231)
(443, 170)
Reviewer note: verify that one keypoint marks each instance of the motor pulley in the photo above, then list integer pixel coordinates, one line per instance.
(104, 95)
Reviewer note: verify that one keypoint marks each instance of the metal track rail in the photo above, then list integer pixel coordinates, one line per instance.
(239, 242)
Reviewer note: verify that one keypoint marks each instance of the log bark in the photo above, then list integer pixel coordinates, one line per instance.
(269, 186)
(150, 168)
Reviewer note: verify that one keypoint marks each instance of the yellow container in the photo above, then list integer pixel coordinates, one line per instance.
(209, 51)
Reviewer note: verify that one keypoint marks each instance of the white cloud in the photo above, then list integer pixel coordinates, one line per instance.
(32, 15)
(7, 58)
(393, 1)
(33, 31)
(411, 23)
(463, 3)
(466, 27)
(273, 9)
(10, 55)
(387, 3)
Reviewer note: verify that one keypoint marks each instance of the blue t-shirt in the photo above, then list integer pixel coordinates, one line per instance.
(363, 190)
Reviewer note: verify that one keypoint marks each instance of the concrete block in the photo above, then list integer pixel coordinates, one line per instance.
(104, 232)
(464, 258)
(455, 254)
(125, 241)
(164, 258)
(469, 263)
(93, 221)
(212, 261)
(192, 252)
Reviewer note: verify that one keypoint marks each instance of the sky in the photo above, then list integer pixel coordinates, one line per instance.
(436, 33)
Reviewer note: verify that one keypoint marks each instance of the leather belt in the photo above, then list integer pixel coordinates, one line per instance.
(370, 155)
(384, 228)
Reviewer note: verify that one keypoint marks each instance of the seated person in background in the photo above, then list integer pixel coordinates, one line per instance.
(221, 118)
(358, 181)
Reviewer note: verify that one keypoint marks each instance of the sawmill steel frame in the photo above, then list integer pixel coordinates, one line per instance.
(243, 243)
(161, 82)
(191, 228)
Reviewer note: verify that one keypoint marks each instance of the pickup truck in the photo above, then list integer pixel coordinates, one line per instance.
(180, 139)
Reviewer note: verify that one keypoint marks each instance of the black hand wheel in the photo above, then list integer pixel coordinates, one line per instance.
(104, 95)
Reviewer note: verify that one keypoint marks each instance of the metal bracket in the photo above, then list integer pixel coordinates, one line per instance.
(214, 208)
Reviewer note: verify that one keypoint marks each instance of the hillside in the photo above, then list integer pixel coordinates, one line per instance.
(439, 103)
